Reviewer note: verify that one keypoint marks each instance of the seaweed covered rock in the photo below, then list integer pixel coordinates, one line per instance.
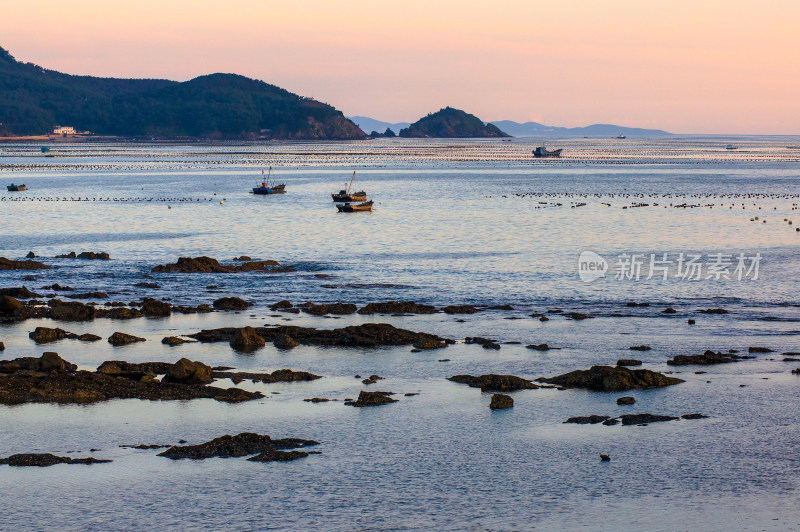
(612, 379)
(210, 265)
(45, 460)
(500, 401)
(6, 264)
(372, 399)
(494, 383)
(232, 303)
(396, 307)
(284, 341)
(244, 444)
(330, 308)
(156, 309)
(706, 359)
(185, 371)
(120, 338)
(247, 340)
(92, 255)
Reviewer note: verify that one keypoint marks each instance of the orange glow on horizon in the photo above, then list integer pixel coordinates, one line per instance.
(687, 67)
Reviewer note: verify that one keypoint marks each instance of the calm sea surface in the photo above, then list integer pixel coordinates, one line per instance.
(454, 222)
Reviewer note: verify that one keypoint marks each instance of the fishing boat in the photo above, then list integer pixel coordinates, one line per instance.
(16, 188)
(46, 152)
(355, 207)
(622, 136)
(345, 196)
(267, 186)
(541, 151)
(730, 147)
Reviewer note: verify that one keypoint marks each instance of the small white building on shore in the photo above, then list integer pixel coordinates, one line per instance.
(63, 130)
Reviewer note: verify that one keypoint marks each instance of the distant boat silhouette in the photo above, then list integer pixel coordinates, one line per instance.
(541, 151)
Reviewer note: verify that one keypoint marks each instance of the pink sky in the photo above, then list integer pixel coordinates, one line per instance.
(685, 66)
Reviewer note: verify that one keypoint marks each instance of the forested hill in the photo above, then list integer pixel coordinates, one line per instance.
(451, 123)
(34, 99)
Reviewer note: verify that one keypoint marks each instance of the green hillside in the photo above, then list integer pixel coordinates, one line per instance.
(34, 99)
(451, 123)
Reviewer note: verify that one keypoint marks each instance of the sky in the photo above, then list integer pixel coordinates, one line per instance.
(704, 66)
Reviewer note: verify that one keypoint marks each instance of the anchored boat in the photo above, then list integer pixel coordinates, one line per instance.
(355, 207)
(345, 196)
(269, 187)
(541, 151)
(16, 188)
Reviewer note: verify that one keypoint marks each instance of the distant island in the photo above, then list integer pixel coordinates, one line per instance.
(34, 100)
(534, 129)
(451, 123)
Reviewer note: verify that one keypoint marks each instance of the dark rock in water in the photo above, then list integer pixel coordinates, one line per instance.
(486, 343)
(70, 255)
(459, 309)
(135, 371)
(538, 347)
(49, 361)
(578, 316)
(30, 255)
(6, 264)
(544, 318)
(91, 255)
(500, 401)
(120, 338)
(317, 400)
(713, 311)
(145, 446)
(587, 420)
(278, 456)
(635, 304)
(693, 416)
(397, 307)
(787, 359)
(366, 335)
(243, 258)
(247, 340)
(88, 337)
(796, 371)
(2, 346)
(494, 383)
(156, 309)
(232, 303)
(759, 350)
(626, 401)
(19, 293)
(629, 362)
(184, 371)
(641, 419)
(283, 304)
(605, 458)
(611, 421)
(612, 379)
(55, 287)
(669, 310)
(244, 444)
(173, 341)
(707, 358)
(426, 343)
(284, 341)
(640, 348)
(501, 307)
(88, 295)
(44, 335)
(372, 399)
(147, 285)
(10, 306)
(46, 459)
(690, 321)
(209, 265)
(331, 308)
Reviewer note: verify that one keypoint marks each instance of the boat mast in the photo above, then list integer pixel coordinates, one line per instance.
(351, 182)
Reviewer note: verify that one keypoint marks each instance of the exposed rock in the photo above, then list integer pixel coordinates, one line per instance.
(152, 308)
(283, 304)
(120, 338)
(70, 255)
(209, 265)
(136, 371)
(669, 310)
(611, 421)
(48, 362)
(500, 401)
(707, 358)
(605, 458)
(173, 341)
(587, 420)
(486, 343)
(243, 258)
(2, 346)
(91, 255)
(640, 348)
(145, 446)
(10, 306)
(759, 350)
(713, 311)
(284, 341)
(145, 284)
(88, 295)
(317, 400)
(397, 307)
(538, 347)
(247, 340)
(244, 444)
(494, 383)
(366, 335)
(232, 303)
(693, 416)
(277, 456)
(426, 343)
(578, 316)
(642, 419)
(459, 309)
(635, 304)
(30, 255)
(612, 379)
(331, 308)
(372, 399)
(185, 371)
(46, 459)
(629, 362)
(690, 321)
(626, 401)
(19, 293)
(44, 335)
(6, 264)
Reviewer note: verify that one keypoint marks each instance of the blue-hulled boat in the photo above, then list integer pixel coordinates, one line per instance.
(16, 188)
(268, 187)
